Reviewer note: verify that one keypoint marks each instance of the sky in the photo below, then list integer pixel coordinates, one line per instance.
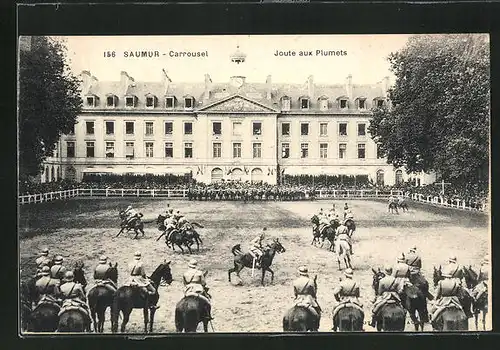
(362, 56)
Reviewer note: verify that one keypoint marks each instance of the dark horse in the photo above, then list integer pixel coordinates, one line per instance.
(391, 317)
(246, 260)
(79, 274)
(73, 321)
(393, 206)
(300, 318)
(44, 317)
(463, 295)
(128, 298)
(25, 305)
(189, 312)
(180, 238)
(479, 300)
(100, 298)
(137, 225)
(328, 232)
(403, 205)
(348, 319)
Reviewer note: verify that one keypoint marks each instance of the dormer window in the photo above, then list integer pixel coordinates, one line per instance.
(91, 101)
(323, 103)
(188, 102)
(285, 103)
(304, 103)
(170, 102)
(361, 103)
(111, 100)
(380, 103)
(151, 101)
(343, 103)
(130, 101)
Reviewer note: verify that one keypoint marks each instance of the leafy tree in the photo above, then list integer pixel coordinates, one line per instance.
(49, 102)
(439, 111)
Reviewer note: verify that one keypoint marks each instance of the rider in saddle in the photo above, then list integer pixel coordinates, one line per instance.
(256, 249)
(132, 215)
(347, 292)
(100, 274)
(414, 262)
(454, 269)
(183, 223)
(170, 224)
(138, 276)
(446, 294)
(324, 221)
(348, 215)
(305, 292)
(42, 260)
(482, 279)
(387, 289)
(402, 272)
(58, 270)
(346, 208)
(195, 284)
(341, 234)
(73, 295)
(46, 285)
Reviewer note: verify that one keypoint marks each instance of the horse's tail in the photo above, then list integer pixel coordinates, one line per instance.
(179, 320)
(236, 250)
(115, 312)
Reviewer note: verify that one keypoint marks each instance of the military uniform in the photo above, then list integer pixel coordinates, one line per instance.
(138, 275)
(170, 224)
(414, 262)
(100, 272)
(42, 260)
(256, 248)
(483, 277)
(447, 294)
(46, 285)
(347, 293)
(341, 234)
(195, 284)
(402, 273)
(388, 288)
(58, 270)
(305, 292)
(73, 296)
(454, 270)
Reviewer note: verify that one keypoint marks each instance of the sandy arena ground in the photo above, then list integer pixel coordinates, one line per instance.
(85, 229)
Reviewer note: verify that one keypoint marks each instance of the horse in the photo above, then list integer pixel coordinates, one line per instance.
(343, 251)
(451, 319)
(348, 319)
(246, 260)
(415, 302)
(463, 295)
(189, 312)
(44, 317)
(300, 319)
(137, 225)
(351, 226)
(24, 292)
(192, 236)
(179, 238)
(391, 317)
(128, 298)
(402, 205)
(73, 321)
(100, 298)
(79, 274)
(479, 300)
(393, 206)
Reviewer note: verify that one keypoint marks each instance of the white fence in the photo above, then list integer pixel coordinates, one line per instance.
(320, 194)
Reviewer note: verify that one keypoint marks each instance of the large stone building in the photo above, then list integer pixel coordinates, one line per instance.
(232, 130)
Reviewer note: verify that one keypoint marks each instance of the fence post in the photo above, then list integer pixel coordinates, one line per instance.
(376, 193)
(153, 193)
(168, 193)
(106, 192)
(122, 192)
(137, 192)
(90, 192)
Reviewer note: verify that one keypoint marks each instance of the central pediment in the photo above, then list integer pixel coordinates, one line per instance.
(237, 103)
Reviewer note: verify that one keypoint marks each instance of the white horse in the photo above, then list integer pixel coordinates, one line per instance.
(343, 251)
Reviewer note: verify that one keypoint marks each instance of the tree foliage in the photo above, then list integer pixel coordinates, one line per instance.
(49, 102)
(439, 112)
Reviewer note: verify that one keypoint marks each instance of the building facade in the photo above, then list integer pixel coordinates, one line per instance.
(235, 130)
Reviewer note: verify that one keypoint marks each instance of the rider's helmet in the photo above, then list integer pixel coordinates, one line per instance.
(103, 259)
(452, 259)
(137, 255)
(413, 249)
(193, 263)
(128, 208)
(401, 258)
(68, 276)
(58, 259)
(45, 271)
(348, 272)
(388, 270)
(303, 271)
(45, 251)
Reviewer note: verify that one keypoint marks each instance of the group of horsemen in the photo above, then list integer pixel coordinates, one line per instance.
(56, 284)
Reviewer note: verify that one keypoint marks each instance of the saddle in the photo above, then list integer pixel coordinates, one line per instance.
(72, 304)
(348, 302)
(446, 303)
(47, 300)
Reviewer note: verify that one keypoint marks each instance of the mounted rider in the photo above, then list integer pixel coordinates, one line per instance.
(57, 270)
(342, 234)
(482, 279)
(170, 225)
(304, 289)
(73, 296)
(446, 295)
(42, 260)
(100, 275)
(348, 215)
(402, 273)
(47, 286)
(131, 215)
(195, 284)
(454, 269)
(138, 276)
(413, 260)
(388, 288)
(347, 293)
(256, 249)
(346, 209)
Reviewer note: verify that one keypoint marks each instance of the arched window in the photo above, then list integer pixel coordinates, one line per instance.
(236, 174)
(380, 177)
(256, 175)
(399, 177)
(217, 174)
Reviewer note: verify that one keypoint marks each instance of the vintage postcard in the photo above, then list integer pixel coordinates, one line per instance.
(197, 183)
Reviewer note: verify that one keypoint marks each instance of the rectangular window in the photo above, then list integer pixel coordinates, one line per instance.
(188, 150)
(110, 149)
(169, 150)
(70, 149)
(91, 101)
(90, 128)
(380, 103)
(304, 103)
(361, 129)
(323, 150)
(129, 150)
(343, 129)
(216, 128)
(257, 150)
(237, 150)
(379, 152)
(110, 101)
(72, 130)
(129, 128)
(110, 128)
(323, 129)
(257, 128)
(343, 103)
(361, 104)
(188, 128)
(285, 150)
(304, 150)
(217, 150)
(188, 102)
(149, 149)
(150, 102)
(90, 150)
(285, 104)
(129, 101)
(304, 129)
(237, 128)
(285, 129)
(361, 151)
(169, 128)
(342, 150)
(149, 129)
(169, 102)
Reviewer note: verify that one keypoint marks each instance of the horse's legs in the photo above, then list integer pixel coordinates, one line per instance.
(205, 326)
(145, 312)
(179, 245)
(272, 274)
(263, 275)
(338, 260)
(121, 230)
(136, 233)
(96, 325)
(484, 320)
(151, 319)
(476, 316)
(126, 317)
(101, 316)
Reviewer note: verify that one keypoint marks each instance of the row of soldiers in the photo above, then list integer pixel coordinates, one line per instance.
(391, 286)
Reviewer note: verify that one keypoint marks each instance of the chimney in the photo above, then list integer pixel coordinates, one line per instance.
(125, 81)
(165, 80)
(310, 87)
(86, 81)
(385, 86)
(268, 87)
(208, 87)
(348, 87)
